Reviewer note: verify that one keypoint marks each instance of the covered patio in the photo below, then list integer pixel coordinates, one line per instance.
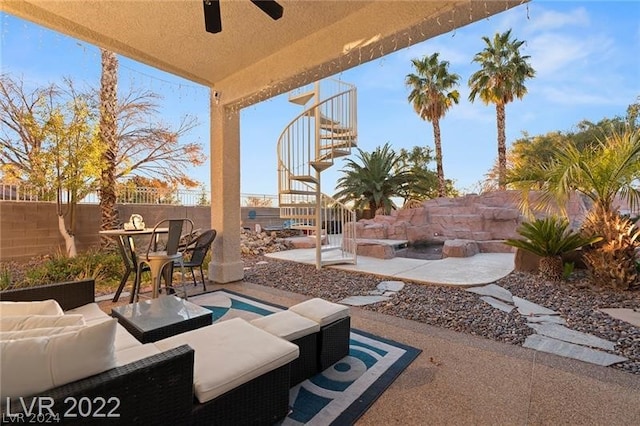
(252, 59)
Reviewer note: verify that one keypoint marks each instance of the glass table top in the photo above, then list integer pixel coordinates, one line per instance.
(156, 313)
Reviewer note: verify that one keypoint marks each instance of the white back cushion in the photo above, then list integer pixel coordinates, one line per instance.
(44, 307)
(35, 364)
(39, 321)
(38, 332)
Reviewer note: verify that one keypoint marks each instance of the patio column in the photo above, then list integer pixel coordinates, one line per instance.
(226, 263)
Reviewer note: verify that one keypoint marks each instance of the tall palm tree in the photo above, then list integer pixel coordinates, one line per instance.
(109, 139)
(374, 182)
(432, 95)
(500, 79)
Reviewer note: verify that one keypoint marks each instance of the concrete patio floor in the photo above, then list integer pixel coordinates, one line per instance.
(483, 268)
(463, 379)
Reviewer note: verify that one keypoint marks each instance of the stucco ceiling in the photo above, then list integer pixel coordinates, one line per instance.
(254, 57)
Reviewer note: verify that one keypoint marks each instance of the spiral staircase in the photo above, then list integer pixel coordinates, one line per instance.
(324, 131)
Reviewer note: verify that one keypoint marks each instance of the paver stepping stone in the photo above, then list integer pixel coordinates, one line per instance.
(498, 304)
(623, 314)
(570, 350)
(494, 291)
(563, 333)
(390, 286)
(555, 319)
(529, 308)
(363, 300)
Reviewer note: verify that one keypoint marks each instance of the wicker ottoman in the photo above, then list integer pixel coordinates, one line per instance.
(335, 327)
(299, 330)
(241, 373)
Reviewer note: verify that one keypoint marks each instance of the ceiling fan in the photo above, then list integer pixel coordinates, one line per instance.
(213, 23)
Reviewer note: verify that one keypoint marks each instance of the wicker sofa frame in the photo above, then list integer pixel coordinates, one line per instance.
(157, 390)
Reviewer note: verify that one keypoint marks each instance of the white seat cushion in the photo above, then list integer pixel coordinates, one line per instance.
(27, 322)
(90, 312)
(286, 324)
(37, 364)
(230, 353)
(321, 311)
(135, 353)
(43, 307)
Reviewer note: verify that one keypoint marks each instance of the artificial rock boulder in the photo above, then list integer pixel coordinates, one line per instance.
(490, 217)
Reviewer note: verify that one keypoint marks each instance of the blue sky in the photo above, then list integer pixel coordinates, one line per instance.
(586, 55)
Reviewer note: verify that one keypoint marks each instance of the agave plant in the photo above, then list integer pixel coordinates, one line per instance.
(550, 238)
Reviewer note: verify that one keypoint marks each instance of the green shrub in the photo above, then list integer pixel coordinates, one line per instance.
(550, 238)
(568, 269)
(103, 267)
(5, 277)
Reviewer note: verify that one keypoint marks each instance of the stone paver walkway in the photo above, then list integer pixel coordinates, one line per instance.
(551, 334)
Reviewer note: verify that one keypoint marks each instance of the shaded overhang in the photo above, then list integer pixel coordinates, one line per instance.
(254, 57)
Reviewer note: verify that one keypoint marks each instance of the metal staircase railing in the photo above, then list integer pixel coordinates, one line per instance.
(311, 142)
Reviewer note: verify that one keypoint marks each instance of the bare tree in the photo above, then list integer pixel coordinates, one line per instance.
(37, 123)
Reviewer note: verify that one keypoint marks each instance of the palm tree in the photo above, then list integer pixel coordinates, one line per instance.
(374, 182)
(432, 96)
(611, 169)
(500, 79)
(109, 139)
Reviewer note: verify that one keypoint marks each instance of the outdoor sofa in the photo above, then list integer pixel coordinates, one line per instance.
(155, 389)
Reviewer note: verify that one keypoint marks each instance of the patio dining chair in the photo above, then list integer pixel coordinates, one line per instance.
(158, 256)
(194, 254)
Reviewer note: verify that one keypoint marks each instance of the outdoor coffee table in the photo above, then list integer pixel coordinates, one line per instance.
(156, 319)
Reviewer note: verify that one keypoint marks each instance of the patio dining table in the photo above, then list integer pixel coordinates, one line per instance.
(127, 248)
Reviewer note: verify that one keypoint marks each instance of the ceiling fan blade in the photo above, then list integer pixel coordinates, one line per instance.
(212, 20)
(270, 7)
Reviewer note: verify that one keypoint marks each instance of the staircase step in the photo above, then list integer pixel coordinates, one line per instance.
(321, 165)
(337, 261)
(324, 120)
(301, 98)
(338, 143)
(303, 205)
(297, 192)
(334, 154)
(304, 178)
(335, 128)
(338, 136)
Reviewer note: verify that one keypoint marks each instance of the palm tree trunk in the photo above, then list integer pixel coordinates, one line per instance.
(439, 168)
(502, 146)
(108, 128)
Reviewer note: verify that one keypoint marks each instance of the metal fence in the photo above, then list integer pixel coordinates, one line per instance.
(179, 197)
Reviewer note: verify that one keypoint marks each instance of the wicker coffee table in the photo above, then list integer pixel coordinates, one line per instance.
(156, 319)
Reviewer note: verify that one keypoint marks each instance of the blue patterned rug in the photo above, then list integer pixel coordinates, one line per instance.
(343, 392)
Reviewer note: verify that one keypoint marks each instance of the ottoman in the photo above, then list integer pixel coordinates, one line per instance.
(335, 327)
(300, 331)
(241, 373)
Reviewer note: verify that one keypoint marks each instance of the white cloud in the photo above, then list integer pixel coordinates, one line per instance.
(551, 52)
(567, 95)
(545, 20)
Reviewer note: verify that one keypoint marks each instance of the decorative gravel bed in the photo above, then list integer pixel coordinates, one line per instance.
(459, 310)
